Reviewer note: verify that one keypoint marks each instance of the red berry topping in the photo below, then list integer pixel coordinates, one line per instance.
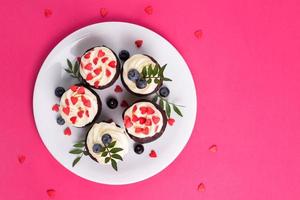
(107, 73)
(138, 43)
(95, 61)
(198, 34)
(55, 107)
(80, 113)
(73, 119)
(135, 118)
(153, 154)
(112, 64)
(171, 121)
(81, 90)
(67, 131)
(87, 56)
(149, 10)
(124, 104)
(96, 84)
(150, 111)
(98, 71)
(118, 88)
(155, 119)
(67, 102)
(74, 88)
(51, 193)
(142, 120)
(88, 66)
(21, 158)
(89, 76)
(103, 12)
(104, 59)
(100, 53)
(148, 122)
(66, 110)
(74, 100)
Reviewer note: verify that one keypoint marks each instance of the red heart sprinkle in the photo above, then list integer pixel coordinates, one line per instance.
(103, 12)
(21, 158)
(138, 43)
(89, 76)
(80, 113)
(143, 109)
(81, 90)
(88, 66)
(67, 102)
(138, 130)
(128, 124)
(112, 64)
(124, 104)
(66, 110)
(142, 120)
(67, 131)
(150, 111)
(156, 128)
(201, 187)
(87, 113)
(55, 107)
(87, 56)
(213, 148)
(47, 12)
(149, 10)
(146, 131)
(73, 119)
(135, 118)
(118, 88)
(96, 84)
(86, 102)
(171, 121)
(148, 122)
(74, 100)
(95, 61)
(198, 34)
(134, 108)
(155, 119)
(153, 154)
(98, 71)
(74, 88)
(127, 118)
(104, 59)
(100, 53)
(107, 73)
(51, 193)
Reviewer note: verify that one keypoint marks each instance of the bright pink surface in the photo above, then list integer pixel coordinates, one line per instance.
(247, 73)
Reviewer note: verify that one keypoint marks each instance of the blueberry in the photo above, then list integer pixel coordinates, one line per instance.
(141, 83)
(112, 103)
(59, 91)
(124, 55)
(139, 148)
(106, 139)
(97, 148)
(164, 91)
(133, 75)
(60, 120)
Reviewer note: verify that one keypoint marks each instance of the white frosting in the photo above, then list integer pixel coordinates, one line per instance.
(153, 128)
(100, 77)
(78, 109)
(138, 62)
(117, 134)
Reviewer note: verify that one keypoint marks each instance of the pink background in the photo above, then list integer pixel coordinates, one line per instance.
(247, 74)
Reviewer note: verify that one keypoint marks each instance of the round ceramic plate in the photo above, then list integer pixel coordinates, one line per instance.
(117, 36)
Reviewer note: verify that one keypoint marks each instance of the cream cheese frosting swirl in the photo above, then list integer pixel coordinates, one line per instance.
(98, 130)
(98, 66)
(78, 106)
(143, 120)
(138, 62)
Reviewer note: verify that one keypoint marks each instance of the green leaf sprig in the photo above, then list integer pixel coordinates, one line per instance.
(154, 73)
(110, 152)
(167, 106)
(73, 70)
(78, 150)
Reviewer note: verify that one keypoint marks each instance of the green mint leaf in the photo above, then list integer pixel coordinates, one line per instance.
(111, 145)
(117, 156)
(76, 161)
(161, 103)
(166, 79)
(161, 71)
(70, 65)
(144, 72)
(168, 109)
(102, 149)
(104, 154)
(78, 145)
(156, 80)
(115, 150)
(176, 109)
(155, 70)
(76, 151)
(149, 80)
(67, 70)
(150, 70)
(114, 164)
(107, 159)
(76, 67)
(155, 98)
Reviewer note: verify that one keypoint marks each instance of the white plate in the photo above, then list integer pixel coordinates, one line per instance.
(117, 36)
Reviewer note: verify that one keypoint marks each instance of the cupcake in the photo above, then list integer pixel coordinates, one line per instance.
(102, 136)
(99, 67)
(79, 106)
(144, 121)
(134, 79)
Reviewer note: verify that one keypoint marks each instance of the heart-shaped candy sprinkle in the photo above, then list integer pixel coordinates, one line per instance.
(66, 110)
(74, 100)
(153, 154)
(67, 131)
(73, 119)
(98, 71)
(100, 53)
(155, 119)
(138, 43)
(112, 64)
(88, 66)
